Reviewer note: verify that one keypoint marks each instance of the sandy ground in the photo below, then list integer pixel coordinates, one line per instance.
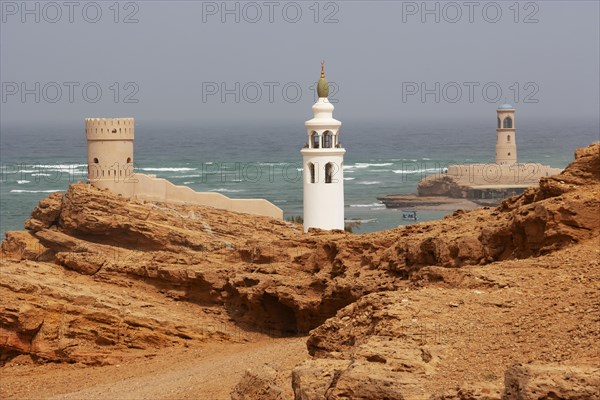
(208, 372)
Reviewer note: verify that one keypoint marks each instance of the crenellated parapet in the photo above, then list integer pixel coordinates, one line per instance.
(109, 128)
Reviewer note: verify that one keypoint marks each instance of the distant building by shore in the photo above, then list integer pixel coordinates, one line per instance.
(483, 183)
(502, 178)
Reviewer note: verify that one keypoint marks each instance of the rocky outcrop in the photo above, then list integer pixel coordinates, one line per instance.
(254, 273)
(46, 213)
(562, 211)
(258, 384)
(464, 327)
(552, 381)
(55, 314)
(441, 186)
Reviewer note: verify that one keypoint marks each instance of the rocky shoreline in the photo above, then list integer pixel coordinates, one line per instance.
(428, 203)
(488, 304)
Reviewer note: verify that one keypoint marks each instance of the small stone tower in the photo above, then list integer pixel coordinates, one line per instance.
(110, 152)
(323, 162)
(506, 139)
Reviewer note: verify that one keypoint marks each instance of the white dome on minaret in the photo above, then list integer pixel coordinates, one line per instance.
(323, 162)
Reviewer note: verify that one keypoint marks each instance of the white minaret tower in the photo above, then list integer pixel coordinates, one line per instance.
(323, 161)
(506, 140)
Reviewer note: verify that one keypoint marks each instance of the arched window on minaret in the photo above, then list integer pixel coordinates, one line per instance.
(508, 123)
(508, 138)
(327, 139)
(311, 170)
(128, 160)
(328, 172)
(499, 123)
(95, 160)
(314, 139)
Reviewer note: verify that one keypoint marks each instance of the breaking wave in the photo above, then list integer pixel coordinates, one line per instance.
(417, 171)
(35, 191)
(167, 169)
(368, 205)
(225, 190)
(368, 183)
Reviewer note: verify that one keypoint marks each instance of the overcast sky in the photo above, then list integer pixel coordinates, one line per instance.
(178, 57)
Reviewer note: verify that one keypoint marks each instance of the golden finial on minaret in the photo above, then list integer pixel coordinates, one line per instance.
(322, 85)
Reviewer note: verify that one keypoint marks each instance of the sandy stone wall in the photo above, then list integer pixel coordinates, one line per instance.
(149, 188)
(110, 166)
(499, 174)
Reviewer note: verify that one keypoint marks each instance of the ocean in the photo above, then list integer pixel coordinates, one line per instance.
(263, 160)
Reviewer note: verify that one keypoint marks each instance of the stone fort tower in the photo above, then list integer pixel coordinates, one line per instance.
(323, 162)
(110, 152)
(506, 140)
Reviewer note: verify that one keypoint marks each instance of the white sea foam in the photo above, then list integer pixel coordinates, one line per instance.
(361, 221)
(271, 163)
(378, 205)
(188, 176)
(416, 171)
(41, 174)
(168, 169)
(188, 182)
(35, 191)
(225, 190)
(59, 167)
(23, 182)
(367, 165)
(349, 179)
(368, 183)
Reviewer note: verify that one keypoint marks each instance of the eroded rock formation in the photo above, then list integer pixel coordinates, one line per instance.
(96, 276)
